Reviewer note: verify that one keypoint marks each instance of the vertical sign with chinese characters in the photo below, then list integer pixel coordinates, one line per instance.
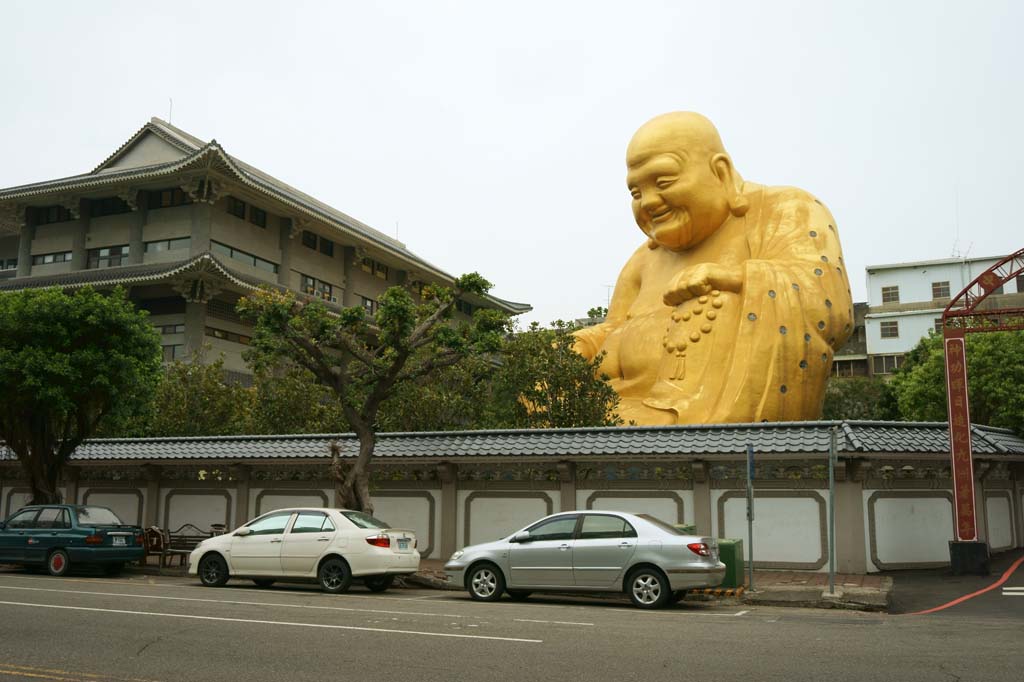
(960, 436)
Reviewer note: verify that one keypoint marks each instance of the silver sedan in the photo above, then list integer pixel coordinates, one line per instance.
(590, 551)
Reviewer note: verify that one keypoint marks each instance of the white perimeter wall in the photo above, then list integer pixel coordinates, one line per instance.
(660, 504)
(413, 512)
(201, 507)
(125, 503)
(787, 530)
(908, 530)
(999, 516)
(492, 517)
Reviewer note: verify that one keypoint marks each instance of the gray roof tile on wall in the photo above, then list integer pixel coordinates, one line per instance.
(793, 438)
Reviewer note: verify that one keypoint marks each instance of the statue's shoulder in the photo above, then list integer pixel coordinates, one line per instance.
(790, 197)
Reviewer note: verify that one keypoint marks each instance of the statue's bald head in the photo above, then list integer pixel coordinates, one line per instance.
(677, 131)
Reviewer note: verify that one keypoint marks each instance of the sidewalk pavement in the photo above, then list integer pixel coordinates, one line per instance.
(771, 588)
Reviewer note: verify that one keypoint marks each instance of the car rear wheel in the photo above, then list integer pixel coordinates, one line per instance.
(485, 583)
(648, 588)
(58, 562)
(213, 570)
(334, 576)
(263, 582)
(379, 583)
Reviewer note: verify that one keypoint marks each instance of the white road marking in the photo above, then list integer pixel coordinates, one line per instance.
(270, 622)
(229, 601)
(1013, 591)
(553, 622)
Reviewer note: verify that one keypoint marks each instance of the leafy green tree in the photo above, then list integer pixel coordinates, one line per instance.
(289, 399)
(995, 374)
(864, 398)
(364, 359)
(459, 397)
(69, 363)
(192, 399)
(544, 383)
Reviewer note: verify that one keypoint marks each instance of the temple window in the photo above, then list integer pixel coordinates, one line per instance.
(48, 258)
(169, 245)
(167, 198)
(107, 257)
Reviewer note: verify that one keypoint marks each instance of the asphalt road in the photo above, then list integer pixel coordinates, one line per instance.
(161, 629)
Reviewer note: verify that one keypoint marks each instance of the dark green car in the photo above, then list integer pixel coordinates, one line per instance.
(59, 536)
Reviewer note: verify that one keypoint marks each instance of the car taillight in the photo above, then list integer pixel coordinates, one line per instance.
(699, 548)
(379, 541)
(94, 539)
(140, 539)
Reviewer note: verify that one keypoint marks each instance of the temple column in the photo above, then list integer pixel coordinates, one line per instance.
(195, 327)
(851, 557)
(348, 266)
(25, 250)
(151, 509)
(79, 253)
(448, 474)
(701, 498)
(243, 478)
(284, 272)
(138, 202)
(202, 227)
(567, 485)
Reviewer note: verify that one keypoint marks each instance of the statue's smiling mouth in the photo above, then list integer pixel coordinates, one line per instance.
(661, 216)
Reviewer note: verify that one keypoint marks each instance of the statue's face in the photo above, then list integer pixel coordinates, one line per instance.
(678, 200)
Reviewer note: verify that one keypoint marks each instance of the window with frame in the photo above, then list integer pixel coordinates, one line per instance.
(369, 305)
(890, 294)
(327, 247)
(317, 287)
(46, 215)
(561, 528)
(886, 364)
(889, 329)
(172, 352)
(180, 243)
(53, 517)
(225, 335)
(48, 258)
(938, 325)
(311, 522)
(375, 268)
(172, 329)
(257, 216)
(940, 289)
(108, 206)
(9, 264)
(168, 198)
(25, 519)
(463, 307)
(309, 239)
(243, 257)
(272, 524)
(236, 207)
(108, 257)
(602, 527)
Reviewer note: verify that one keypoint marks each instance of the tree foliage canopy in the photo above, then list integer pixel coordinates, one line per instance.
(865, 398)
(68, 364)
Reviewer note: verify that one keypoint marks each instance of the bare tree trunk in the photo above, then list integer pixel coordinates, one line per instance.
(42, 470)
(352, 484)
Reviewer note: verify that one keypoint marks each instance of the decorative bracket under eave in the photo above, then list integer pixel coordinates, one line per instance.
(197, 289)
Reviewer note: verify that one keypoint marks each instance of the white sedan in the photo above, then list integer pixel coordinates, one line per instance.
(331, 546)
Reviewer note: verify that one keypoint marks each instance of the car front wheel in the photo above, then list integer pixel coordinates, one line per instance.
(58, 563)
(485, 583)
(648, 588)
(213, 571)
(334, 576)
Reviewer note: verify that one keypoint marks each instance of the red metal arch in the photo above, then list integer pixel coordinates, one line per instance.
(961, 317)
(962, 314)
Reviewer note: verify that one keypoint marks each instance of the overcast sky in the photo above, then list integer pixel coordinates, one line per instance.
(491, 136)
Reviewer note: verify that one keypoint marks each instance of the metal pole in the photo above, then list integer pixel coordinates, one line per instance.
(750, 517)
(832, 512)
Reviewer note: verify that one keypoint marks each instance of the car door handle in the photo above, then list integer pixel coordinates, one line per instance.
(626, 544)
(277, 540)
(323, 539)
(563, 547)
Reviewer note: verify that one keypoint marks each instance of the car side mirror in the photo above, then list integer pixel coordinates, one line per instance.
(242, 532)
(3, 525)
(522, 536)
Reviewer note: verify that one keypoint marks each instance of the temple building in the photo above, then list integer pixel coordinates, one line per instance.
(188, 229)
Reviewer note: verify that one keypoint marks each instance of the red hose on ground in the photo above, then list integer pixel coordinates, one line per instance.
(1003, 579)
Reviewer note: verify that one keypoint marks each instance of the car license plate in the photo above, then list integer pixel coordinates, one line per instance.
(119, 541)
(403, 543)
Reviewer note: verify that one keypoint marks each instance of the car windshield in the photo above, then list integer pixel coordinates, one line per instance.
(671, 530)
(364, 520)
(97, 516)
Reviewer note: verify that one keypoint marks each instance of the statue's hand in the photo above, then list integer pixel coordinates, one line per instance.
(702, 279)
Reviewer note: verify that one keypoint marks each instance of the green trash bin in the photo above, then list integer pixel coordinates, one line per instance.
(730, 553)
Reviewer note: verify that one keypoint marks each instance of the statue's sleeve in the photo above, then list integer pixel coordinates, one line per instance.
(590, 339)
(796, 311)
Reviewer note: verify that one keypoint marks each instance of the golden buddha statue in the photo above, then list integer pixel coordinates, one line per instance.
(732, 308)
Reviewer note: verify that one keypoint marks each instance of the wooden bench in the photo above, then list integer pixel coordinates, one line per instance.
(180, 543)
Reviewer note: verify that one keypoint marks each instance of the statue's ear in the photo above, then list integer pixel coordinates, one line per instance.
(721, 166)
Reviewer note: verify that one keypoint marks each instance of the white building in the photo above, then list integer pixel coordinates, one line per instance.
(906, 300)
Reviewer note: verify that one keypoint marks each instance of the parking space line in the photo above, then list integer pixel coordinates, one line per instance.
(253, 621)
(230, 601)
(16, 670)
(553, 622)
(1013, 591)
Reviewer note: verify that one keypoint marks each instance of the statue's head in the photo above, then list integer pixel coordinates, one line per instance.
(682, 182)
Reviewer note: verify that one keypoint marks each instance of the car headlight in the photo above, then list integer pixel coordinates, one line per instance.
(457, 554)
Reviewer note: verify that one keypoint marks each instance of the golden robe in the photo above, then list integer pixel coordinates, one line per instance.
(763, 353)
